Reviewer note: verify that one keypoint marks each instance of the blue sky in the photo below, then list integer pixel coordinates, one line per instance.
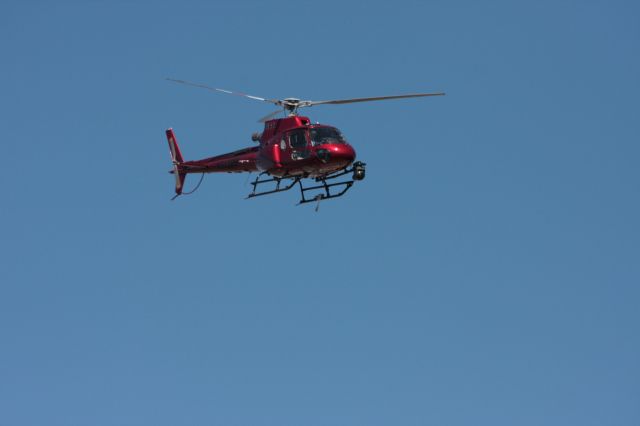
(485, 272)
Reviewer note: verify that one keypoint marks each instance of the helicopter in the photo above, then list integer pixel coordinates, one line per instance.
(290, 150)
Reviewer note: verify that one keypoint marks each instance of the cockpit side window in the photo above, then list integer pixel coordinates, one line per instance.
(298, 139)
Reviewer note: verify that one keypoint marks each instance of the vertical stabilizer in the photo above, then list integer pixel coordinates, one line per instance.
(176, 158)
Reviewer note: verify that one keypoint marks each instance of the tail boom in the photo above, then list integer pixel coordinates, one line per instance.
(243, 160)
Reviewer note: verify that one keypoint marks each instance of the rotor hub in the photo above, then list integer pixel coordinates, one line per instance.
(291, 105)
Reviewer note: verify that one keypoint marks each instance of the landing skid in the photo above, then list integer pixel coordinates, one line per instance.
(327, 188)
(327, 191)
(277, 181)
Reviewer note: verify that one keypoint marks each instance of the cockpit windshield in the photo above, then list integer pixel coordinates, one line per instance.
(322, 135)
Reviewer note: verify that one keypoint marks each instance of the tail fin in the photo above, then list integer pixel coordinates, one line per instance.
(176, 158)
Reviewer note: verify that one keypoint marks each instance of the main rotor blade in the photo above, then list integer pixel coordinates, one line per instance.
(215, 89)
(378, 98)
(269, 116)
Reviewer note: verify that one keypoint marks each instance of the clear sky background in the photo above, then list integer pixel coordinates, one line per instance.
(486, 272)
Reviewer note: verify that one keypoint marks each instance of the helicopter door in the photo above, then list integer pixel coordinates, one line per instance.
(295, 145)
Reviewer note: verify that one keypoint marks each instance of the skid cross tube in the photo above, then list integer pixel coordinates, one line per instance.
(335, 175)
(358, 165)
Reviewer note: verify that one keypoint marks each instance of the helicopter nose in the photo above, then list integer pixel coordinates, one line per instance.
(343, 152)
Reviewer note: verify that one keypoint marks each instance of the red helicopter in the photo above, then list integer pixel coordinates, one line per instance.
(290, 149)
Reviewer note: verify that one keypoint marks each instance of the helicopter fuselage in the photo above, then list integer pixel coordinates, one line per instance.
(289, 147)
